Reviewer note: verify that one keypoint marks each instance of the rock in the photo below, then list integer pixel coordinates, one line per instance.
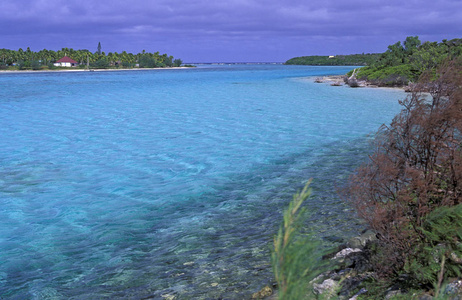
(352, 81)
(453, 288)
(425, 297)
(361, 291)
(349, 285)
(168, 296)
(392, 294)
(354, 260)
(361, 241)
(345, 252)
(264, 292)
(327, 288)
(455, 258)
(359, 261)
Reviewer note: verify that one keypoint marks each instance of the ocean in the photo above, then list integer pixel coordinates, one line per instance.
(170, 184)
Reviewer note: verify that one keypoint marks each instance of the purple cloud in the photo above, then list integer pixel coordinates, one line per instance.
(226, 30)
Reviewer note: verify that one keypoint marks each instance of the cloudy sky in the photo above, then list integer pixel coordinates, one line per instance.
(226, 30)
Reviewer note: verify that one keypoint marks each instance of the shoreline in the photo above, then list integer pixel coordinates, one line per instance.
(338, 80)
(89, 70)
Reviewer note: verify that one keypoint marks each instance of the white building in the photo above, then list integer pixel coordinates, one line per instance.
(66, 62)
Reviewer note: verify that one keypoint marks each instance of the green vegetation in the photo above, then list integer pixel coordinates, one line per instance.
(296, 257)
(339, 60)
(400, 65)
(44, 59)
(403, 63)
(439, 255)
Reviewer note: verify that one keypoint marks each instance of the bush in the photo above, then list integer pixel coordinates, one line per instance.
(24, 65)
(35, 65)
(389, 76)
(101, 63)
(177, 62)
(147, 61)
(127, 64)
(440, 253)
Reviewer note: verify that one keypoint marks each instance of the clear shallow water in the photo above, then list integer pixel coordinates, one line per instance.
(144, 184)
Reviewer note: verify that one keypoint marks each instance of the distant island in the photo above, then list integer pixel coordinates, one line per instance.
(335, 60)
(82, 59)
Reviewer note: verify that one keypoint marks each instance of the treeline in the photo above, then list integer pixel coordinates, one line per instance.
(405, 62)
(339, 60)
(45, 59)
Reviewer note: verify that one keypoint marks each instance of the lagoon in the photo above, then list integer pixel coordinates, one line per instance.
(129, 185)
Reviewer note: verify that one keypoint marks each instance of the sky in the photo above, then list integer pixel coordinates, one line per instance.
(226, 30)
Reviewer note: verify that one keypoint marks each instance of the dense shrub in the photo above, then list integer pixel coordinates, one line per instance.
(101, 63)
(389, 76)
(177, 62)
(440, 252)
(415, 169)
(147, 61)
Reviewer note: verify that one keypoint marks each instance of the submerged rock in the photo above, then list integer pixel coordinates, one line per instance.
(264, 292)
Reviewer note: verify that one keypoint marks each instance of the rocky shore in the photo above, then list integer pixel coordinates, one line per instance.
(352, 270)
(341, 80)
(352, 274)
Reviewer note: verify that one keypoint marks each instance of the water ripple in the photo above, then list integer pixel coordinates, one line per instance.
(153, 183)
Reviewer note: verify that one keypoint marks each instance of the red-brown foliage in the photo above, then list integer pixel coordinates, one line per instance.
(416, 165)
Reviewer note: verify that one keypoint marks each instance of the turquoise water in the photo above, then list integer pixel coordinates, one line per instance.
(149, 184)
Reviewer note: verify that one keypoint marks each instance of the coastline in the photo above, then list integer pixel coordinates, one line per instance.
(88, 70)
(338, 80)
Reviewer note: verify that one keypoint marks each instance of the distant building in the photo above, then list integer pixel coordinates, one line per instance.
(331, 56)
(66, 62)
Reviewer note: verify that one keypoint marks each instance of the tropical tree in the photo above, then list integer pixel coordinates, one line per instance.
(177, 62)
